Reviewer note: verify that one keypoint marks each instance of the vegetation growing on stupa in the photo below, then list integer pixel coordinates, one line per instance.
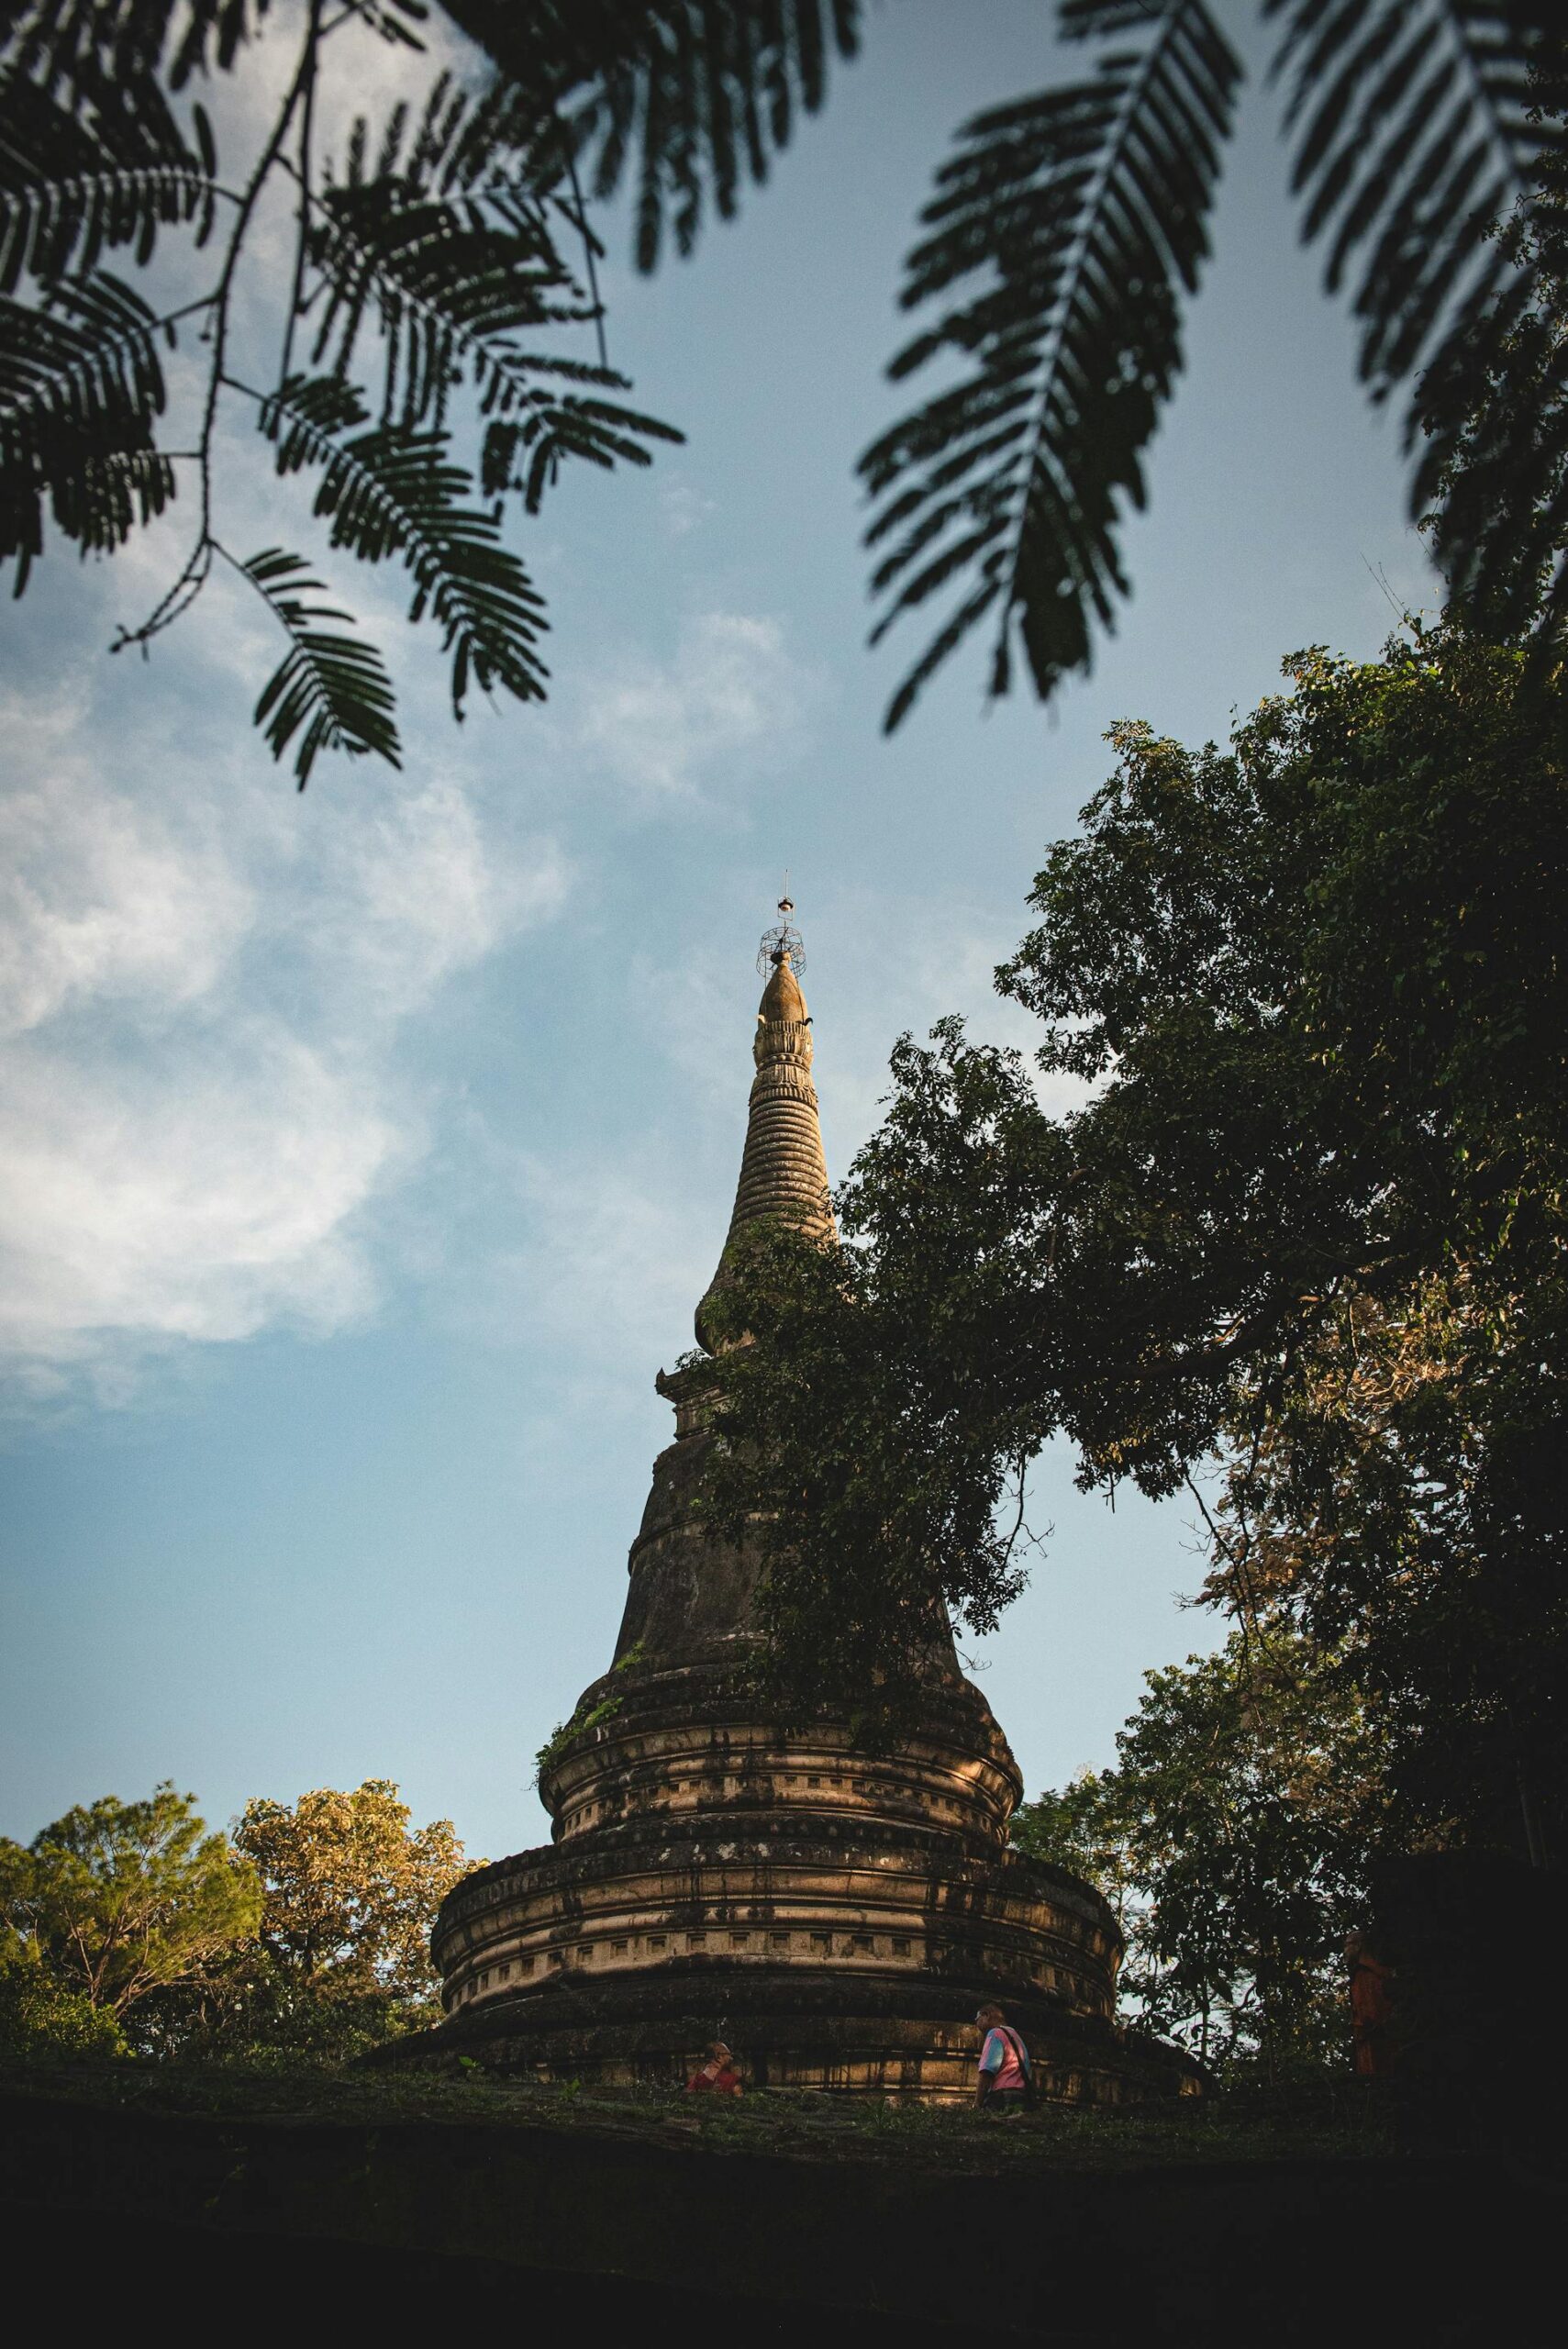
(1299, 1254)
(584, 1716)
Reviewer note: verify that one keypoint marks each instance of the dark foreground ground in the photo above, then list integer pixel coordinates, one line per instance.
(353, 2209)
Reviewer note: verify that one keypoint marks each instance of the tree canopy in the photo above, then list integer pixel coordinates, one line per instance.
(305, 1934)
(1306, 1227)
(349, 1889)
(1233, 1835)
(120, 1902)
(341, 1958)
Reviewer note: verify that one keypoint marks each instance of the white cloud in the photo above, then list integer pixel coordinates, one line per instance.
(615, 1265)
(683, 507)
(603, 1286)
(205, 980)
(97, 897)
(187, 1203)
(731, 694)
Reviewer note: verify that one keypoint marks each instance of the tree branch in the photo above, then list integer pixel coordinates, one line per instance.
(193, 577)
(296, 290)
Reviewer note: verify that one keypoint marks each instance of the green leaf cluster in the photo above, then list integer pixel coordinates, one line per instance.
(1234, 1836)
(120, 1903)
(41, 2019)
(127, 1927)
(341, 1960)
(1308, 1225)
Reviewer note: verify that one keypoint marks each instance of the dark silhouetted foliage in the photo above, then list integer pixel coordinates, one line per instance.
(1235, 1836)
(1068, 226)
(438, 244)
(1307, 1227)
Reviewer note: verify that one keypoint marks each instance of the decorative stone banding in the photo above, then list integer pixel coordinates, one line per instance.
(835, 1914)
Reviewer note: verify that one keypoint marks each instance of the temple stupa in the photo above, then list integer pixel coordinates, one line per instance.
(835, 1915)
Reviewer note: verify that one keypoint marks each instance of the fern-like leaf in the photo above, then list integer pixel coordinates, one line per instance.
(70, 186)
(525, 451)
(109, 58)
(81, 390)
(331, 690)
(686, 97)
(1416, 129)
(1414, 132)
(1495, 414)
(1067, 226)
(391, 495)
(438, 236)
(446, 288)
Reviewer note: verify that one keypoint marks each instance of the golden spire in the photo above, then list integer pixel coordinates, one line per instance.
(784, 1174)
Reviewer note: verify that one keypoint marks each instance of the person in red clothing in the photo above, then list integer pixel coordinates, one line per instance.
(1004, 2068)
(717, 2076)
(1371, 2007)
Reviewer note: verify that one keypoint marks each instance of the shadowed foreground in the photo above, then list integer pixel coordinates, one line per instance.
(604, 2213)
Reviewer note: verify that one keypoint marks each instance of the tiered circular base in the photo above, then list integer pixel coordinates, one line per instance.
(873, 2032)
(835, 1916)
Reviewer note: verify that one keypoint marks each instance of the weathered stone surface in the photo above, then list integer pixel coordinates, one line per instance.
(783, 1172)
(835, 1914)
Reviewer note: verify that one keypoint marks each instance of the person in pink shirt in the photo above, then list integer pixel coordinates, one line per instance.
(1005, 2069)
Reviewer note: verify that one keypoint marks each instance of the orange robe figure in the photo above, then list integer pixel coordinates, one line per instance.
(1372, 2011)
(717, 2076)
(714, 2079)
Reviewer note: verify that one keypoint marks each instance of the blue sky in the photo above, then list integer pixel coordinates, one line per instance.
(363, 1155)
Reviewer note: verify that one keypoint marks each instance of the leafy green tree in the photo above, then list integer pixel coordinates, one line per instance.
(1078, 1828)
(433, 258)
(1234, 1835)
(118, 1904)
(1312, 986)
(349, 1892)
(1402, 1486)
(39, 2017)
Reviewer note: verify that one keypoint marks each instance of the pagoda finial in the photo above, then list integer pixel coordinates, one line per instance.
(784, 943)
(784, 1174)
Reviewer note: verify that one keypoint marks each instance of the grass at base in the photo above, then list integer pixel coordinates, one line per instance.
(1322, 2118)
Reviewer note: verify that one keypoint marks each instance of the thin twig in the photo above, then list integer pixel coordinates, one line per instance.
(296, 291)
(185, 310)
(588, 256)
(198, 564)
